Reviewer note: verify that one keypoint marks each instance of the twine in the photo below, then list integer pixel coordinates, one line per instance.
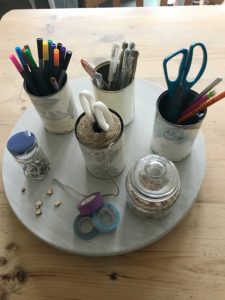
(94, 140)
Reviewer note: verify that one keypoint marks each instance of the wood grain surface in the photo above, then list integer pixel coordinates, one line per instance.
(189, 262)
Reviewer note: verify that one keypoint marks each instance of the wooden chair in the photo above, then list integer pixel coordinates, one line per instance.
(116, 3)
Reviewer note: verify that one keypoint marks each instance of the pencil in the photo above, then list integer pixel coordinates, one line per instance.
(202, 107)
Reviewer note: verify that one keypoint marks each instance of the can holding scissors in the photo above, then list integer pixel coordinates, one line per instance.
(100, 135)
(170, 138)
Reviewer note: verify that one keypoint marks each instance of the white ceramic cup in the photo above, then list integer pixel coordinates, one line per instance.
(57, 111)
(122, 101)
(173, 141)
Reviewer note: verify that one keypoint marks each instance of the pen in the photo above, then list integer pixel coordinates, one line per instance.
(64, 67)
(51, 58)
(113, 63)
(56, 63)
(42, 86)
(21, 58)
(27, 79)
(201, 107)
(46, 60)
(40, 53)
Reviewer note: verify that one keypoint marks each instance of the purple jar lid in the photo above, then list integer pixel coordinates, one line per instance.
(90, 204)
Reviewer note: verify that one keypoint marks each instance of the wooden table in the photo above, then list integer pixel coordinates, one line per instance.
(189, 262)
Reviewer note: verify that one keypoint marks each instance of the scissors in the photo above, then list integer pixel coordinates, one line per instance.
(97, 111)
(179, 88)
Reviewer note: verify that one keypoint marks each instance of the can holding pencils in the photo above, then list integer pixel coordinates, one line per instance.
(57, 110)
(170, 140)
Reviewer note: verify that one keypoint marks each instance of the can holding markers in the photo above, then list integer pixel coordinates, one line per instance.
(102, 148)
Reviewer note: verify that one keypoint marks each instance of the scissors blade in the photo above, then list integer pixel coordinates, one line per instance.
(175, 105)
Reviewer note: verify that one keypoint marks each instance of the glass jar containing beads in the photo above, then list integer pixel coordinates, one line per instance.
(24, 148)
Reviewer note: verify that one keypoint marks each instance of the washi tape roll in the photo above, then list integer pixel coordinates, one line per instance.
(83, 227)
(90, 204)
(106, 219)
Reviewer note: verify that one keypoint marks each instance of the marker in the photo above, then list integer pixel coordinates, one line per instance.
(51, 58)
(56, 63)
(64, 67)
(42, 86)
(46, 60)
(21, 58)
(29, 82)
(40, 52)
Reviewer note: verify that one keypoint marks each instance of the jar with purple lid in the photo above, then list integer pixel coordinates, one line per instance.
(153, 185)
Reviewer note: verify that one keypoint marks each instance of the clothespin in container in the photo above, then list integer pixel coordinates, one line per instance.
(114, 60)
(97, 111)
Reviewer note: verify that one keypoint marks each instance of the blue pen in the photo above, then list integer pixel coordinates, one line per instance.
(21, 58)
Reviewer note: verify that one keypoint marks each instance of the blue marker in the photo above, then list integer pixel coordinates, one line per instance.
(21, 58)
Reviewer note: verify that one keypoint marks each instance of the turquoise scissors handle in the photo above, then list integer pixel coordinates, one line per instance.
(179, 88)
(184, 69)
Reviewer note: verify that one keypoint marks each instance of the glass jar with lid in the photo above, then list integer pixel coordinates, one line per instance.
(24, 148)
(153, 185)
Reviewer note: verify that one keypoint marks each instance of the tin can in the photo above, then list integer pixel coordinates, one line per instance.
(25, 149)
(103, 151)
(57, 111)
(170, 140)
(152, 185)
(122, 101)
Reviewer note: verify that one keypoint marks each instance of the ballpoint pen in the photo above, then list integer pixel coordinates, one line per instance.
(114, 59)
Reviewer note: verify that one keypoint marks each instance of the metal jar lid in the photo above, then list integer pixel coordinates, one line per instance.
(153, 183)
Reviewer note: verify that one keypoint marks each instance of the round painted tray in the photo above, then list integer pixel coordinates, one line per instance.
(55, 225)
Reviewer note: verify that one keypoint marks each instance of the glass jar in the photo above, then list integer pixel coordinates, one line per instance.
(153, 185)
(24, 148)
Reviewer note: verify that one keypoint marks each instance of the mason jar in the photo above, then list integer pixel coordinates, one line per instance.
(25, 149)
(152, 185)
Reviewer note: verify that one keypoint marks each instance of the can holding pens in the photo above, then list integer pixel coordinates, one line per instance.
(47, 84)
(100, 135)
(113, 81)
(57, 110)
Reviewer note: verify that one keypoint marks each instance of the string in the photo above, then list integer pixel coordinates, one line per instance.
(112, 178)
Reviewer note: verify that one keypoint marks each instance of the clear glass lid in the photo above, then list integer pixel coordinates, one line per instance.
(155, 177)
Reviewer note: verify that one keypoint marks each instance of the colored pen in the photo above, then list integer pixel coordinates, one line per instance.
(42, 86)
(51, 58)
(201, 107)
(62, 54)
(64, 67)
(40, 53)
(46, 60)
(21, 58)
(56, 63)
(59, 46)
(30, 84)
